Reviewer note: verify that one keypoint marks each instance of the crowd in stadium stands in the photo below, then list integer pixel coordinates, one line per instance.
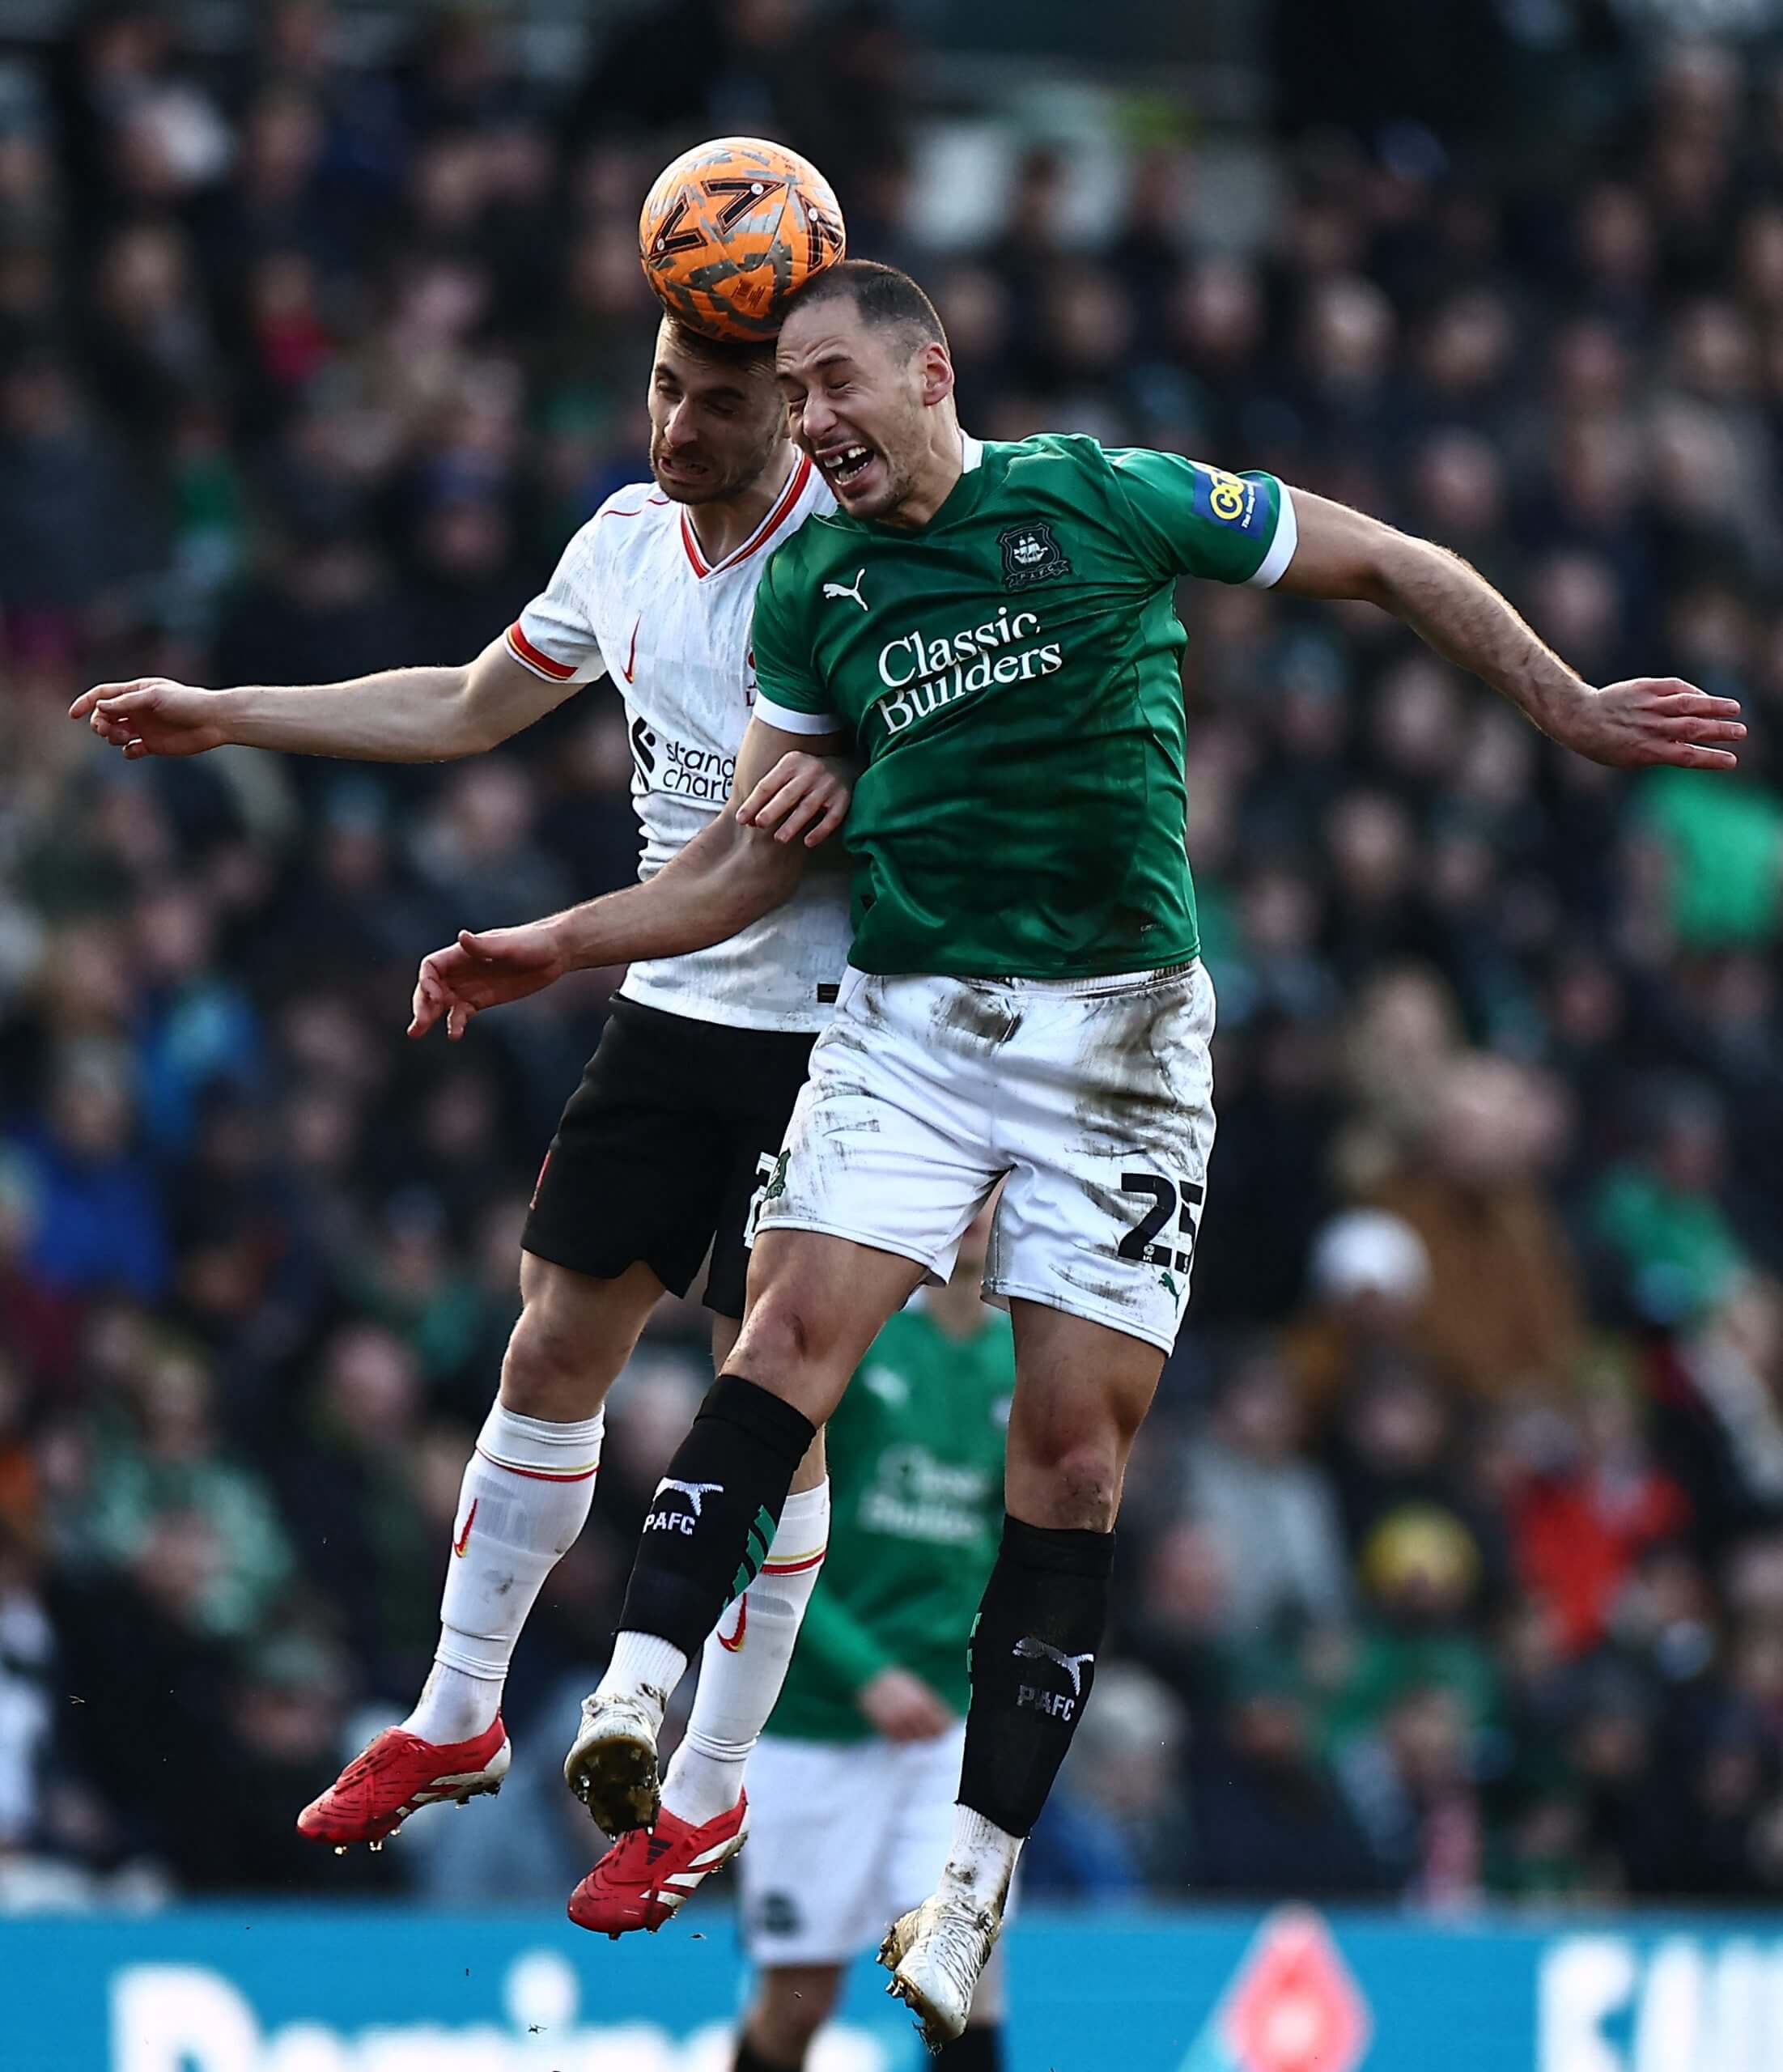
(1453, 1559)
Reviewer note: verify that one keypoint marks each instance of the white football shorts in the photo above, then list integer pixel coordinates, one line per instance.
(1095, 1095)
(844, 1836)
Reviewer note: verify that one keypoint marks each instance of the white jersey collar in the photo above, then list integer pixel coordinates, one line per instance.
(793, 489)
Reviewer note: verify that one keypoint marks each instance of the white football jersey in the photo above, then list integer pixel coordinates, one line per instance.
(634, 597)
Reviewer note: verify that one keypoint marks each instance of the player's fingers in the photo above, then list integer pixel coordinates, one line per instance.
(135, 749)
(458, 1020)
(807, 809)
(1698, 702)
(431, 996)
(136, 700)
(89, 698)
(1687, 755)
(770, 800)
(1702, 730)
(833, 815)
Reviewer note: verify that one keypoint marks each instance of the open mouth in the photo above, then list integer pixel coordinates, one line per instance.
(845, 466)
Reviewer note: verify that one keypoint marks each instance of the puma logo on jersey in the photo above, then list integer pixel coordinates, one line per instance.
(1028, 1648)
(843, 590)
(695, 1492)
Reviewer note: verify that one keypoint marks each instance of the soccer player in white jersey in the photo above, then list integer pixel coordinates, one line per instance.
(663, 1149)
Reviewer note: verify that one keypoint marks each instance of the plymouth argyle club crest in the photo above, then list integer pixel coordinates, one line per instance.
(1030, 555)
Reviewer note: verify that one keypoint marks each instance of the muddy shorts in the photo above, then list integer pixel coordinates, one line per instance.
(1094, 1095)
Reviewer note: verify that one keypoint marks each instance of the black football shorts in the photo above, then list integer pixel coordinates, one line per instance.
(662, 1150)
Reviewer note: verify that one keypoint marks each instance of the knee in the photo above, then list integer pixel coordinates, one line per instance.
(1083, 1487)
(1066, 1472)
(550, 1371)
(788, 1343)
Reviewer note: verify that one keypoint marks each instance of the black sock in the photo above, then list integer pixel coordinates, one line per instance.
(976, 2050)
(709, 1525)
(749, 2059)
(1034, 1657)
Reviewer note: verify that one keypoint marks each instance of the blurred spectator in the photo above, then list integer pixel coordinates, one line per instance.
(1591, 1501)
(1116, 1822)
(1370, 1283)
(100, 1220)
(1504, 1309)
(1719, 1418)
(157, 1456)
(1268, 1511)
(1414, 1788)
(1422, 1570)
(27, 1648)
(1269, 1815)
(1661, 1212)
(353, 1499)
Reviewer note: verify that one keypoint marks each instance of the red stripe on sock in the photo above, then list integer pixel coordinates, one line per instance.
(538, 1473)
(793, 1568)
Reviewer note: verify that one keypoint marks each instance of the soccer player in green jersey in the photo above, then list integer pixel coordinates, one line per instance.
(851, 1785)
(994, 628)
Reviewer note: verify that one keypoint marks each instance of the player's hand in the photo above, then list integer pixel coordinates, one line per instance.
(151, 716)
(484, 971)
(800, 795)
(902, 1708)
(1650, 719)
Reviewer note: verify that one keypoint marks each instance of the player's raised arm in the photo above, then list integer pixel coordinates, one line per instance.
(785, 801)
(397, 716)
(1340, 553)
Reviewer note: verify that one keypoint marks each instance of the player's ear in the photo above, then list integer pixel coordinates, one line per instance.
(936, 372)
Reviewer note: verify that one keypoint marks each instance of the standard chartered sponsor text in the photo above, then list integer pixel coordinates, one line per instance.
(695, 773)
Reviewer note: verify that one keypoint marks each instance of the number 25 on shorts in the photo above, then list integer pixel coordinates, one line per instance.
(1169, 1201)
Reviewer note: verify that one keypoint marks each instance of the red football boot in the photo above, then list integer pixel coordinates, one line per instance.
(647, 1873)
(397, 1774)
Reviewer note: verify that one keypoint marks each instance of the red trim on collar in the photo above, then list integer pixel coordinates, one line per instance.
(769, 525)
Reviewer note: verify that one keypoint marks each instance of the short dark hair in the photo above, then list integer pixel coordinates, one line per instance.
(883, 297)
(740, 356)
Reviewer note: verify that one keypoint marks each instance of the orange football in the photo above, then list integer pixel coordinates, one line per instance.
(734, 227)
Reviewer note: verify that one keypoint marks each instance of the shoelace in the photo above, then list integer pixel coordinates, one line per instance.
(959, 1932)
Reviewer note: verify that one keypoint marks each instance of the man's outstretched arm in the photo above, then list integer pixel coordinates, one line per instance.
(398, 715)
(1344, 553)
(784, 802)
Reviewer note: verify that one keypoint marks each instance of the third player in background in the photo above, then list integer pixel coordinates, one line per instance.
(852, 1785)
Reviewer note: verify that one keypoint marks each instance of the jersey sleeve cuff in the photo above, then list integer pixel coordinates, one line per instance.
(791, 721)
(1274, 564)
(536, 659)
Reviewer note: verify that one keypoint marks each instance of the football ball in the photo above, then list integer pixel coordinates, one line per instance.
(734, 228)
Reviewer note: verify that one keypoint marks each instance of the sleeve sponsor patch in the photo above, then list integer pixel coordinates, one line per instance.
(1228, 499)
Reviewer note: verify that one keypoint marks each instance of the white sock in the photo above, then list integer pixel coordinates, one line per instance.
(980, 1863)
(744, 1664)
(523, 1500)
(645, 1668)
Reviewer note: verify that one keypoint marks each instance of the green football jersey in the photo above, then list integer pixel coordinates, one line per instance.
(915, 1452)
(1012, 674)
